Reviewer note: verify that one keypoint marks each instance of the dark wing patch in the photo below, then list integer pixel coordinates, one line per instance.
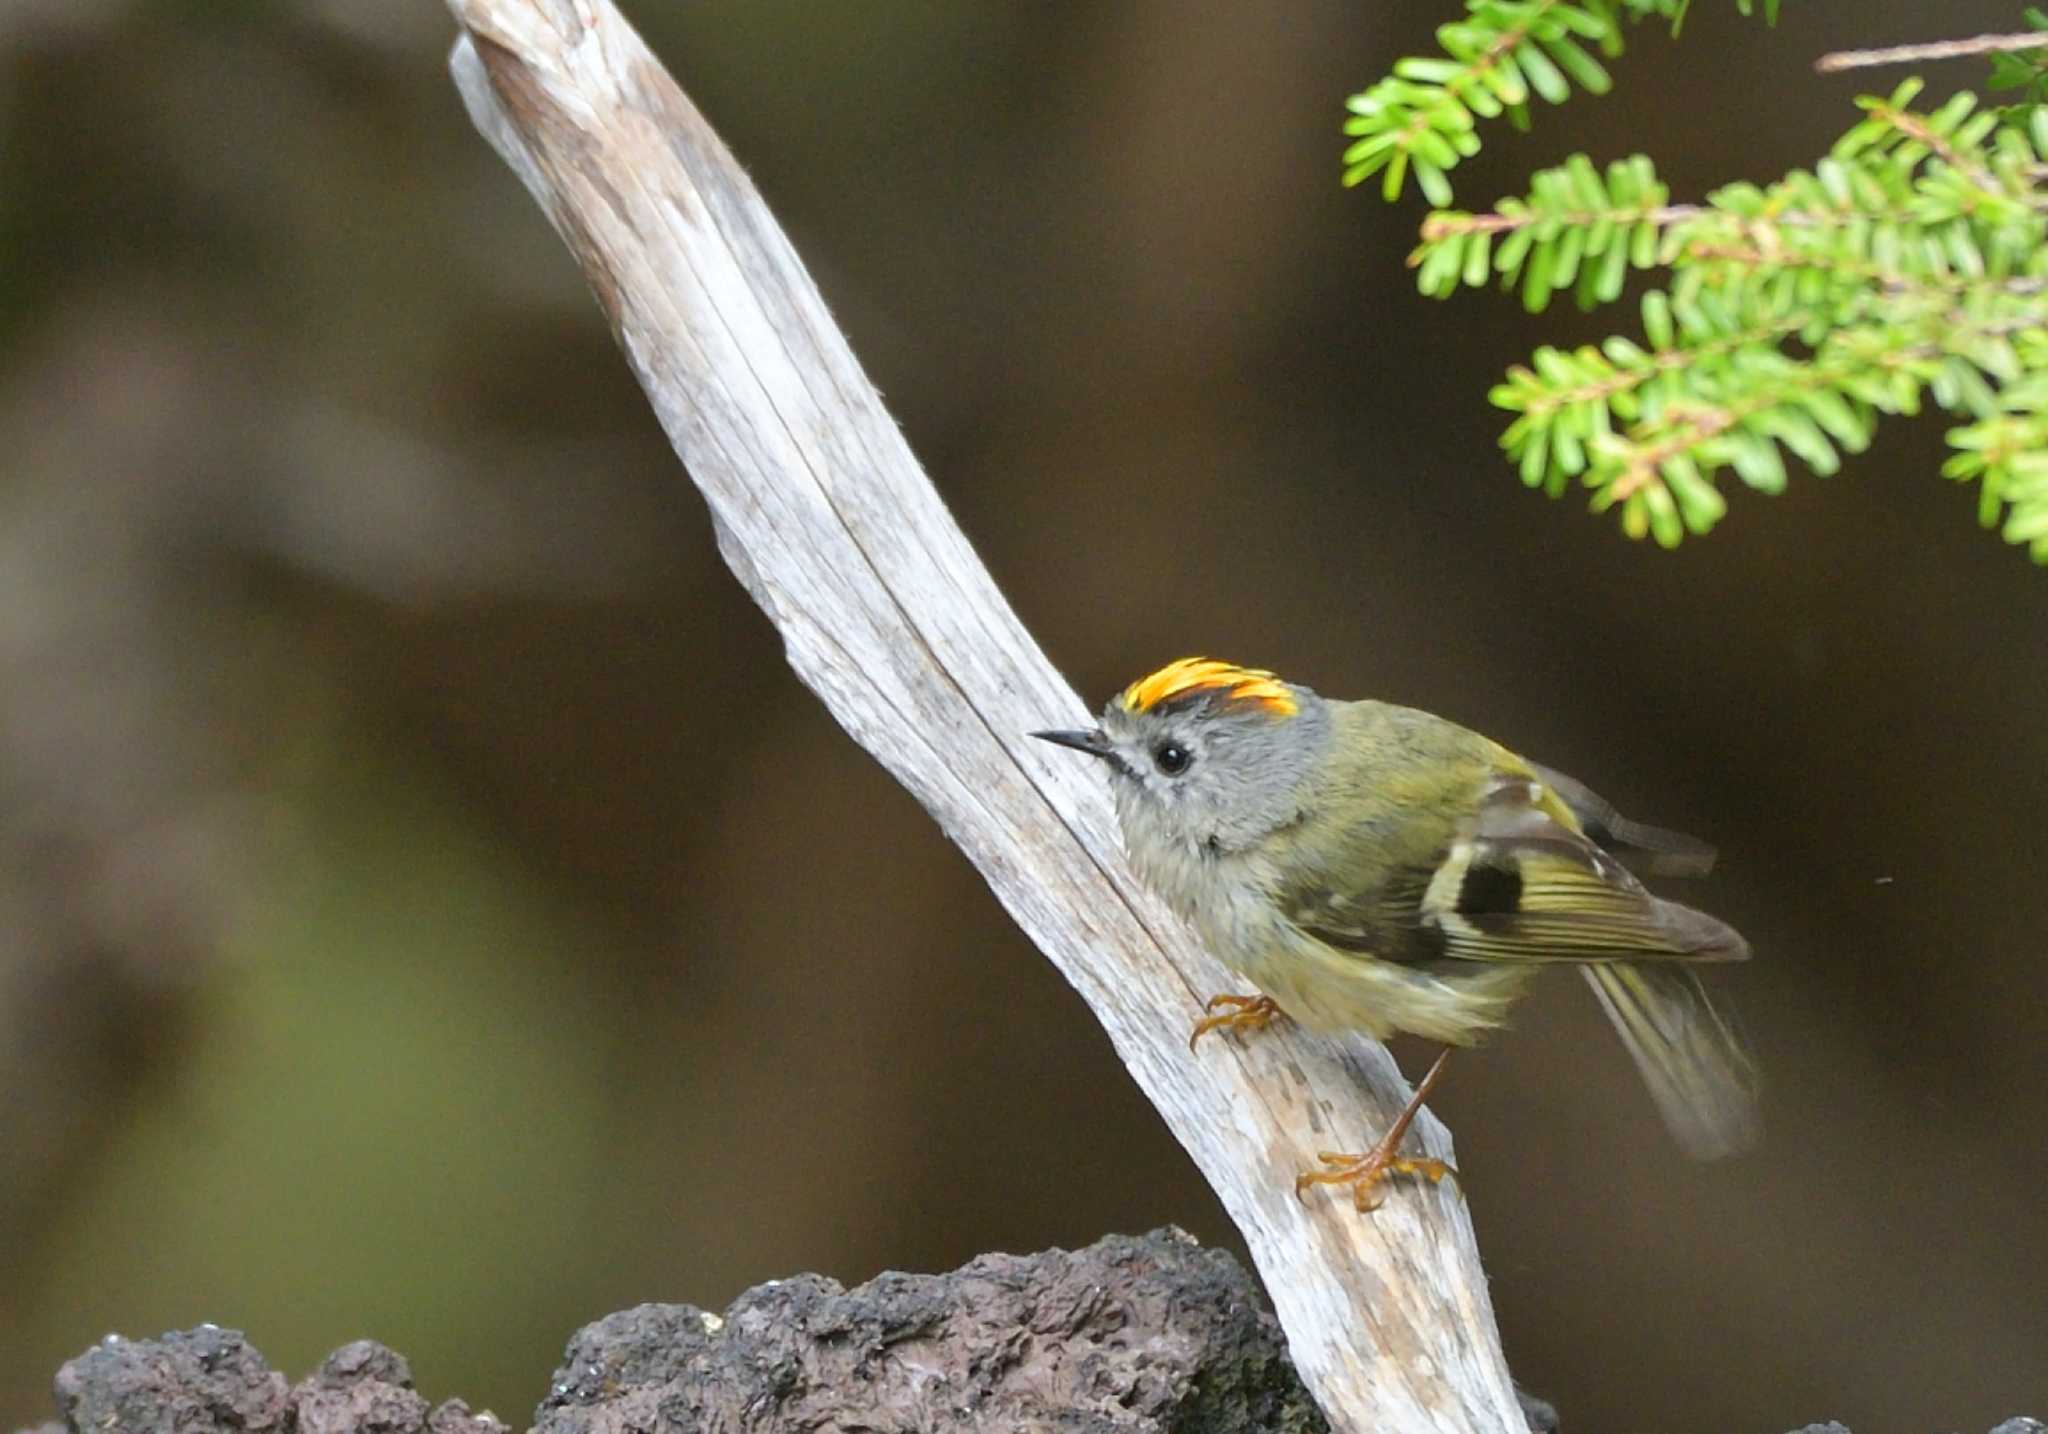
(1490, 889)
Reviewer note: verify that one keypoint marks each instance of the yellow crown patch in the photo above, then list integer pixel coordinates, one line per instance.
(1203, 674)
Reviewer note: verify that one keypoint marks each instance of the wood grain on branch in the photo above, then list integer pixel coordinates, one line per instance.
(886, 613)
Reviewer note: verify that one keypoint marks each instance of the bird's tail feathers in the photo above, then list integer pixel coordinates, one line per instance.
(1697, 1066)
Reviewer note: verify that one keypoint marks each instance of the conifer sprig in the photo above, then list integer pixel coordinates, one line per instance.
(1909, 265)
(1425, 115)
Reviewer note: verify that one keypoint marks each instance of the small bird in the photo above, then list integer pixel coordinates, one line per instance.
(1375, 868)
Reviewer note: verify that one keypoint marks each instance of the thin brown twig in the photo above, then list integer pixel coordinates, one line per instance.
(1442, 225)
(1892, 281)
(1932, 50)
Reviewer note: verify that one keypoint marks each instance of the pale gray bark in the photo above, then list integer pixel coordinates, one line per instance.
(886, 613)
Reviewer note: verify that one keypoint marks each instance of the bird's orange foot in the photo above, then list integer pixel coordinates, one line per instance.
(1235, 1013)
(1366, 1173)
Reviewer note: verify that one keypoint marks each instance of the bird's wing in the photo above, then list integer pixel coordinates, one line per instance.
(1492, 864)
(1644, 849)
(1526, 885)
(1515, 880)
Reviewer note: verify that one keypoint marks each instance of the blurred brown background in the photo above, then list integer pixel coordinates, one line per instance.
(432, 911)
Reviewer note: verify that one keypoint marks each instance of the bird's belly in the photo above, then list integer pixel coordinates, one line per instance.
(1318, 985)
(1330, 990)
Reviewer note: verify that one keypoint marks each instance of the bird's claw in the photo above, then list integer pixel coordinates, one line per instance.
(1237, 1013)
(1366, 1173)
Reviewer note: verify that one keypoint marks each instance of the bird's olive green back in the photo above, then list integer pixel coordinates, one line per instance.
(1467, 853)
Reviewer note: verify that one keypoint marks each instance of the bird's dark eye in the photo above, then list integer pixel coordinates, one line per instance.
(1171, 758)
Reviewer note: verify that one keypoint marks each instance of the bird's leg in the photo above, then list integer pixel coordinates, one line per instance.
(1235, 1013)
(1364, 1173)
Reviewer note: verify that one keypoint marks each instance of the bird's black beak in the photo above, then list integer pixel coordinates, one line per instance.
(1094, 741)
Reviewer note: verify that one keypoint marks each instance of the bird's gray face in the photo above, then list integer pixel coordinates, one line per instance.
(1205, 775)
